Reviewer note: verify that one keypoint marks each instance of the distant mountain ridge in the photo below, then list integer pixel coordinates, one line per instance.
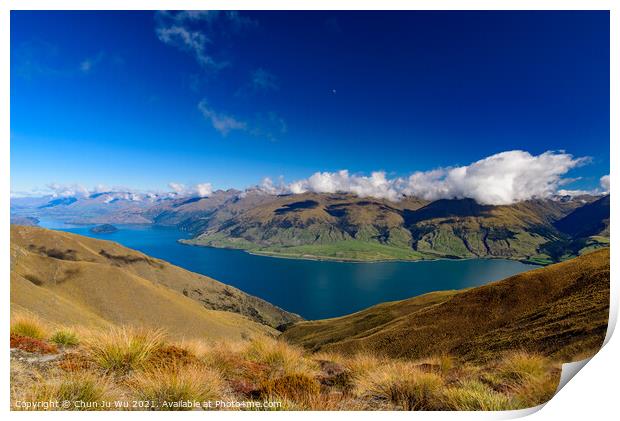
(589, 220)
(347, 227)
(342, 226)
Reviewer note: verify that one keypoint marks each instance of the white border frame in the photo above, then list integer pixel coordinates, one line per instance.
(592, 394)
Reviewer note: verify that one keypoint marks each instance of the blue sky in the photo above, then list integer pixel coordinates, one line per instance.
(142, 99)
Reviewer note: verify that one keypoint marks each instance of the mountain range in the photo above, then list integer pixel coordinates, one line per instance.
(347, 227)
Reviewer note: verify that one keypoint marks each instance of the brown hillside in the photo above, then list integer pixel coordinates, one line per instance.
(560, 310)
(70, 279)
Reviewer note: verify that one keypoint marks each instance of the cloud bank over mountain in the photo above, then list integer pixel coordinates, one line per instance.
(499, 179)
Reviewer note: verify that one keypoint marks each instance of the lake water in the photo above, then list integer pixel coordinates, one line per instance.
(313, 289)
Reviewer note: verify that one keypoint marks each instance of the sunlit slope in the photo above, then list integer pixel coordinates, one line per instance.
(72, 279)
(560, 310)
(347, 227)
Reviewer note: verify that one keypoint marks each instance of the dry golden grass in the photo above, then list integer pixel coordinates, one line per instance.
(402, 384)
(362, 363)
(297, 387)
(81, 391)
(521, 366)
(28, 325)
(536, 390)
(473, 395)
(139, 364)
(398, 366)
(121, 350)
(168, 387)
(279, 357)
(70, 279)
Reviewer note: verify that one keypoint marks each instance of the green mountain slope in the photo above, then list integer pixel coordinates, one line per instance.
(347, 227)
(560, 310)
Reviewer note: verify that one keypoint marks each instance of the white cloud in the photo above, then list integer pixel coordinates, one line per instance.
(194, 42)
(503, 178)
(376, 185)
(500, 179)
(605, 183)
(578, 192)
(177, 187)
(223, 123)
(67, 190)
(602, 189)
(204, 189)
(200, 190)
(267, 185)
(198, 32)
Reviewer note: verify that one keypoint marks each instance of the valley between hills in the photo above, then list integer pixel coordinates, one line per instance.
(91, 315)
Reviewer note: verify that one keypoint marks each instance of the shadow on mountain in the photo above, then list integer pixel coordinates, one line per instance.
(447, 208)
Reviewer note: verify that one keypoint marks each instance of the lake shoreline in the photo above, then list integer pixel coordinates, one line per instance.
(343, 260)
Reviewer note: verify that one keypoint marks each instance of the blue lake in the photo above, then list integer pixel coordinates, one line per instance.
(313, 289)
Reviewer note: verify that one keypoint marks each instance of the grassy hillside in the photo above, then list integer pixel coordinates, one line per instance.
(68, 278)
(94, 322)
(560, 311)
(129, 369)
(347, 227)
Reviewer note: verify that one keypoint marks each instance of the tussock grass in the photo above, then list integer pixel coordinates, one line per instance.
(536, 391)
(223, 356)
(362, 363)
(168, 386)
(121, 350)
(83, 391)
(440, 363)
(297, 387)
(172, 355)
(29, 326)
(65, 337)
(404, 385)
(279, 357)
(520, 366)
(142, 365)
(472, 395)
